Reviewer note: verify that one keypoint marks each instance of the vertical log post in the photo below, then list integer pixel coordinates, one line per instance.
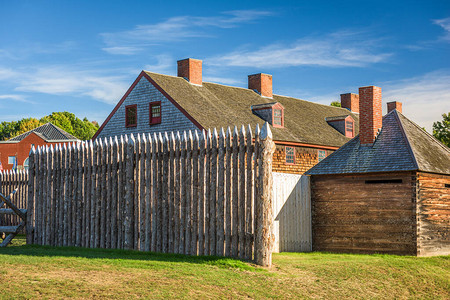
(176, 243)
(30, 204)
(228, 170)
(129, 190)
(194, 212)
(201, 195)
(154, 192)
(249, 202)
(142, 196)
(235, 199)
(148, 191)
(165, 193)
(171, 191)
(264, 215)
(220, 220)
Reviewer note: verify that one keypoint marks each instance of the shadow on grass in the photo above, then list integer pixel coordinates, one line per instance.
(118, 254)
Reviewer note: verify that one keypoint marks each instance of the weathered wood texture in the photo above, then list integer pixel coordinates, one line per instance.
(292, 213)
(433, 214)
(160, 194)
(350, 214)
(9, 181)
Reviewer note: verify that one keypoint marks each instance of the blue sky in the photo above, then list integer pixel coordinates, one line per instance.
(81, 56)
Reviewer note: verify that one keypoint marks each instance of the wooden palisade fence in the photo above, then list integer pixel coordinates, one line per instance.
(189, 193)
(9, 181)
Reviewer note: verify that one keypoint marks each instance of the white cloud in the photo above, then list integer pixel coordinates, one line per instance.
(164, 64)
(61, 80)
(7, 73)
(222, 80)
(174, 29)
(445, 24)
(340, 49)
(13, 97)
(425, 98)
(122, 50)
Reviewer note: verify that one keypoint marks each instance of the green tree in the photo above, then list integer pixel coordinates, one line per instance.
(82, 129)
(441, 130)
(335, 103)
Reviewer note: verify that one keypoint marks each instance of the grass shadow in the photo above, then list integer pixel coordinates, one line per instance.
(20, 248)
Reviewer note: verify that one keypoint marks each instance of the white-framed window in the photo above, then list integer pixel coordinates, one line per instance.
(290, 155)
(321, 155)
(11, 160)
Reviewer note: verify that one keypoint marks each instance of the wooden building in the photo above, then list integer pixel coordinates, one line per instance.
(385, 191)
(14, 152)
(304, 132)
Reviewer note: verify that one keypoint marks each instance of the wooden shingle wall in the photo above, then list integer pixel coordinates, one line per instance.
(305, 159)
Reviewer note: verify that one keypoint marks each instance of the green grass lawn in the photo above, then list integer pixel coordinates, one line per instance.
(51, 272)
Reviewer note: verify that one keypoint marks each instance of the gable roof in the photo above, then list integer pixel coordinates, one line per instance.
(48, 132)
(215, 105)
(401, 146)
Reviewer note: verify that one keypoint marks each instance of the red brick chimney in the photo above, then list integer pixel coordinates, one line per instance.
(262, 83)
(191, 69)
(350, 101)
(394, 105)
(370, 116)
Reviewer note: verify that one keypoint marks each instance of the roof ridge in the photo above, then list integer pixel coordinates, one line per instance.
(246, 89)
(405, 135)
(426, 132)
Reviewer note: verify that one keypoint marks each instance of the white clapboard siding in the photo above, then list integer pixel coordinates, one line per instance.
(292, 213)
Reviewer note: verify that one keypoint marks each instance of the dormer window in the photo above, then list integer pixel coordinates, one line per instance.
(131, 115)
(349, 128)
(155, 112)
(344, 124)
(278, 117)
(273, 113)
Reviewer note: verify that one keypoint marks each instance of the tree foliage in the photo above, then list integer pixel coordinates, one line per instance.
(335, 103)
(82, 129)
(441, 130)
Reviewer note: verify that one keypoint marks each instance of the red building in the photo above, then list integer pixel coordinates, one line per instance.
(14, 152)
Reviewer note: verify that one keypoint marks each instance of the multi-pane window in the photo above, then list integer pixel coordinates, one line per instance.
(11, 160)
(290, 155)
(349, 128)
(321, 155)
(131, 115)
(155, 112)
(278, 117)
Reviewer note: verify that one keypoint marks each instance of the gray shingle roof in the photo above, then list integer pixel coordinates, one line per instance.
(401, 146)
(215, 105)
(48, 132)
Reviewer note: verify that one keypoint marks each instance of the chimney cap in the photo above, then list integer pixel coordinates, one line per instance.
(189, 58)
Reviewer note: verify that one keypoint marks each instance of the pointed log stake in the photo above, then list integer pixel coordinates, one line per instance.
(220, 221)
(213, 195)
(141, 199)
(176, 242)
(241, 212)
(235, 196)
(129, 189)
(201, 195)
(249, 200)
(30, 205)
(154, 192)
(148, 198)
(264, 215)
(195, 189)
(228, 170)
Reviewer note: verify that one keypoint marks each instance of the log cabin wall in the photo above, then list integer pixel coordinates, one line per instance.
(364, 213)
(433, 210)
